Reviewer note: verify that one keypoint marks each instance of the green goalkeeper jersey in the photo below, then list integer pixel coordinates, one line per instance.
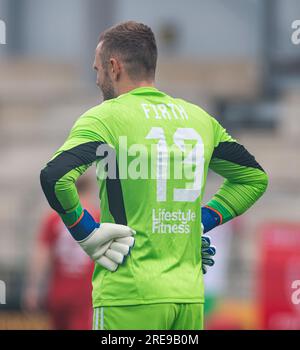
(159, 150)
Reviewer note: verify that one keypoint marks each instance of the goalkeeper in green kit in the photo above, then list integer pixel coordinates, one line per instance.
(152, 154)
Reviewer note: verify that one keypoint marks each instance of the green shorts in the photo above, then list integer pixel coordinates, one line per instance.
(149, 317)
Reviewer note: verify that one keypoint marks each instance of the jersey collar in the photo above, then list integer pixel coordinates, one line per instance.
(146, 90)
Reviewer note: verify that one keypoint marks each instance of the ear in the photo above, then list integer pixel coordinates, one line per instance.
(115, 67)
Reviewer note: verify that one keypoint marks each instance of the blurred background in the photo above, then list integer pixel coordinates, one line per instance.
(236, 59)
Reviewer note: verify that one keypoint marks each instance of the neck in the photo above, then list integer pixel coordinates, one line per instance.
(128, 86)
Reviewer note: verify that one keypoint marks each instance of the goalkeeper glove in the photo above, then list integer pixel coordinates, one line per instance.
(207, 252)
(107, 244)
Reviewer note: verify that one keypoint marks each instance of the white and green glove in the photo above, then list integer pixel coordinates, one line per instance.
(107, 244)
(207, 252)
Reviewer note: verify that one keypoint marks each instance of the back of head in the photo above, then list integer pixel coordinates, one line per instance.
(134, 44)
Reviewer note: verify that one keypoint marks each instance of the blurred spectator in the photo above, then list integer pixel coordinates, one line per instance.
(69, 269)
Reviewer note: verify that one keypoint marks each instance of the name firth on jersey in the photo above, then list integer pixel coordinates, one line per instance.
(166, 111)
